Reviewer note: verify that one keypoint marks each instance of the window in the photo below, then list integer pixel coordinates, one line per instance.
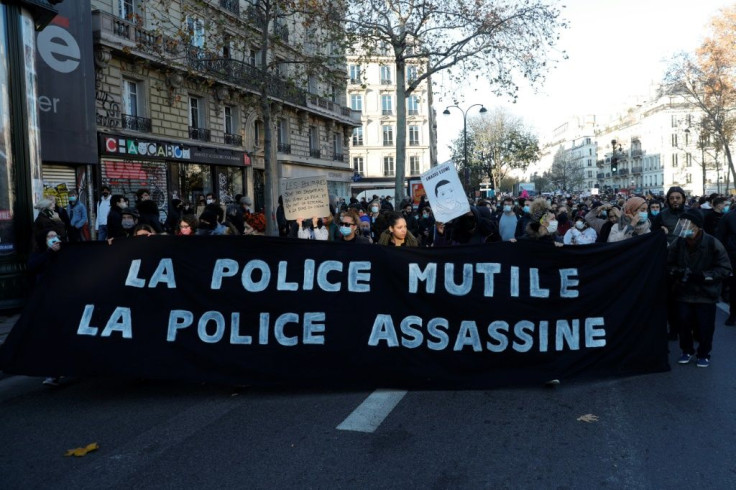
(387, 104)
(673, 121)
(590, 174)
(312, 84)
(413, 135)
(337, 146)
(257, 133)
(229, 115)
(412, 105)
(411, 73)
(356, 102)
(688, 159)
(358, 136)
(590, 162)
(386, 75)
(283, 133)
(130, 98)
(358, 164)
(314, 141)
(195, 29)
(674, 141)
(128, 9)
(196, 112)
(688, 178)
(674, 159)
(388, 166)
(414, 165)
(354, 73)
(333, 93)
(388, 136)
(252, 57)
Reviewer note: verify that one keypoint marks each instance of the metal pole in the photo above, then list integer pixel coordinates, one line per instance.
(465, 151)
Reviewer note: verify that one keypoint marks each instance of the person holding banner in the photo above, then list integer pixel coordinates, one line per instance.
(698, 263)
(397, 235)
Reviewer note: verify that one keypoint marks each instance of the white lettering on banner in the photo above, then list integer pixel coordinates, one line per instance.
(120, 321)
(164, 273)
(487, 271)
(567, 334)
(256, 275)
(288, 328)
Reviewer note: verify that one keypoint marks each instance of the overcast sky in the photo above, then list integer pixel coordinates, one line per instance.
(616, 48)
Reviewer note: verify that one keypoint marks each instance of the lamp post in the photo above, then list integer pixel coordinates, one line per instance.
(446, 112)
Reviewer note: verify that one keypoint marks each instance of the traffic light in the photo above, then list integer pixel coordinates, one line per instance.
(614, 165)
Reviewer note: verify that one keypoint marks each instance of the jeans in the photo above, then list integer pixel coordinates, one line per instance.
(700, 318)
(102, 233)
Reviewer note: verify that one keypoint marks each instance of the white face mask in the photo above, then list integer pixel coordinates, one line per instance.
(552, 226)
(579, 225)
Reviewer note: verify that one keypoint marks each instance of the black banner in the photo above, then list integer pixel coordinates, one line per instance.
(270, 311)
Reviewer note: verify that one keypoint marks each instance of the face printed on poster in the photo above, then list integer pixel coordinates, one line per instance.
(445, 192)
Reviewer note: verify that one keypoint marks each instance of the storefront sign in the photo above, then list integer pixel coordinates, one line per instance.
(124, 146)
(66, 85)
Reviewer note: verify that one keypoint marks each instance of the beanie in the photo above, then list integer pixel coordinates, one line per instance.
(693, 215)
(675, 188)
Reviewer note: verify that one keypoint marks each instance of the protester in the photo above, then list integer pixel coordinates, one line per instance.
(349, 231)
(580, 233)
(719, 207)
(426, 226)
(143, 230)
(103, 209)
(47, 219)
(668, 218)
(148, 210)
(633, 222)
(507, 220)
(77, 219)
(726, 234)
(115, 217)
(173, 216)
(396, 233)
(698, 262)
(542, 223)
(187, 225)
(525, 217)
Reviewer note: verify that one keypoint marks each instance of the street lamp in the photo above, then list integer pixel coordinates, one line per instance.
(446, 112)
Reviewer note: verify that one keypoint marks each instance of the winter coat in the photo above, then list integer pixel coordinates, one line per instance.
(409, 241)
(697, 274)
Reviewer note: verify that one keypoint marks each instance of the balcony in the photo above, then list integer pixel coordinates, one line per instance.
(600, 175)
(232, 6)
(284, 148)
(413, 112)
(387, 112)
(386, 81)
(354, 81)
(636, 170)
(338, 157)
(388, 143)
(623, 171)
(413, 143)
(129, 35)
(233, 139)
(200, 134)
(315, 153)
(357, 142)
(636, 153)
(389, 173)
(135, 123)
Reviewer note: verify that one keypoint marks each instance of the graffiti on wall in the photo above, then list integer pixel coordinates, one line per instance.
(127, 177)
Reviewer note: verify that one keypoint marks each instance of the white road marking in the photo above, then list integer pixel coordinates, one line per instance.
(373, 411)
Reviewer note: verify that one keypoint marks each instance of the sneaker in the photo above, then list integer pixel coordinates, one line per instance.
(51, 381)
(730, 321)
(704, 362)
(685, 358)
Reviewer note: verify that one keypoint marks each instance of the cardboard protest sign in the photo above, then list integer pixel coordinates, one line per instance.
(445, 192)
(306, 197)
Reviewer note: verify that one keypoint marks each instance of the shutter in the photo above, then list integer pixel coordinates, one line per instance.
(53, 175)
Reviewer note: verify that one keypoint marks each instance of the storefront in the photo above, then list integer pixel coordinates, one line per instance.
(170, 170)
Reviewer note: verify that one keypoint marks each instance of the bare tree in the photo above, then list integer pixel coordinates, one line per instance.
(499, 41)
(565, 173)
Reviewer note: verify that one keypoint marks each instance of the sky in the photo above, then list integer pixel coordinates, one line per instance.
(616, 49)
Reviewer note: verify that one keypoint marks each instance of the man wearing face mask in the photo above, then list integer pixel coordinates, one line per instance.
(719, 207)
(77, 218)
(129, 221)
(525, 217)
(349, 228)
(411, 221)
(698, 263)
(542, 225)
(507, 220)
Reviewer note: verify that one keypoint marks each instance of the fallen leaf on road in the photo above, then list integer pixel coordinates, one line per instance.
(82, 451)
(588, 417)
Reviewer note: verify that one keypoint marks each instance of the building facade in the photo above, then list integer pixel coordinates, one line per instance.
(372, 91)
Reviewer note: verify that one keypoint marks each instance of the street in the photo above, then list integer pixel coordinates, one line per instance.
(673, 429)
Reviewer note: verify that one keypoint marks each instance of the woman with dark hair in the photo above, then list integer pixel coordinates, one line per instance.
(397, 234)
(187, 225)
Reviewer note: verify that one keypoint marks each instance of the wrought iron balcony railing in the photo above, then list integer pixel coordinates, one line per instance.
(315, 153)
(200, 134)
(233, 139)
(135, 123)
(284, 148)
(338, 157)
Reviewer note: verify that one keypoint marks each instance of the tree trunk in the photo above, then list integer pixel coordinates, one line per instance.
(399, 193)
(271, 183)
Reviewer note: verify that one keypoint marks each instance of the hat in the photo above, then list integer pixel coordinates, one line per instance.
(246, 200)
(130, 211)
(633, 204)
(675, 188)
(44, 203)
(694, 216)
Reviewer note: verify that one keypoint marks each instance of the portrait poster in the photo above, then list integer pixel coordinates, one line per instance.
(445, 192)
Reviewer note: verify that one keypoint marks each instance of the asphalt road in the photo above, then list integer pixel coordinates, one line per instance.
(665, 430)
